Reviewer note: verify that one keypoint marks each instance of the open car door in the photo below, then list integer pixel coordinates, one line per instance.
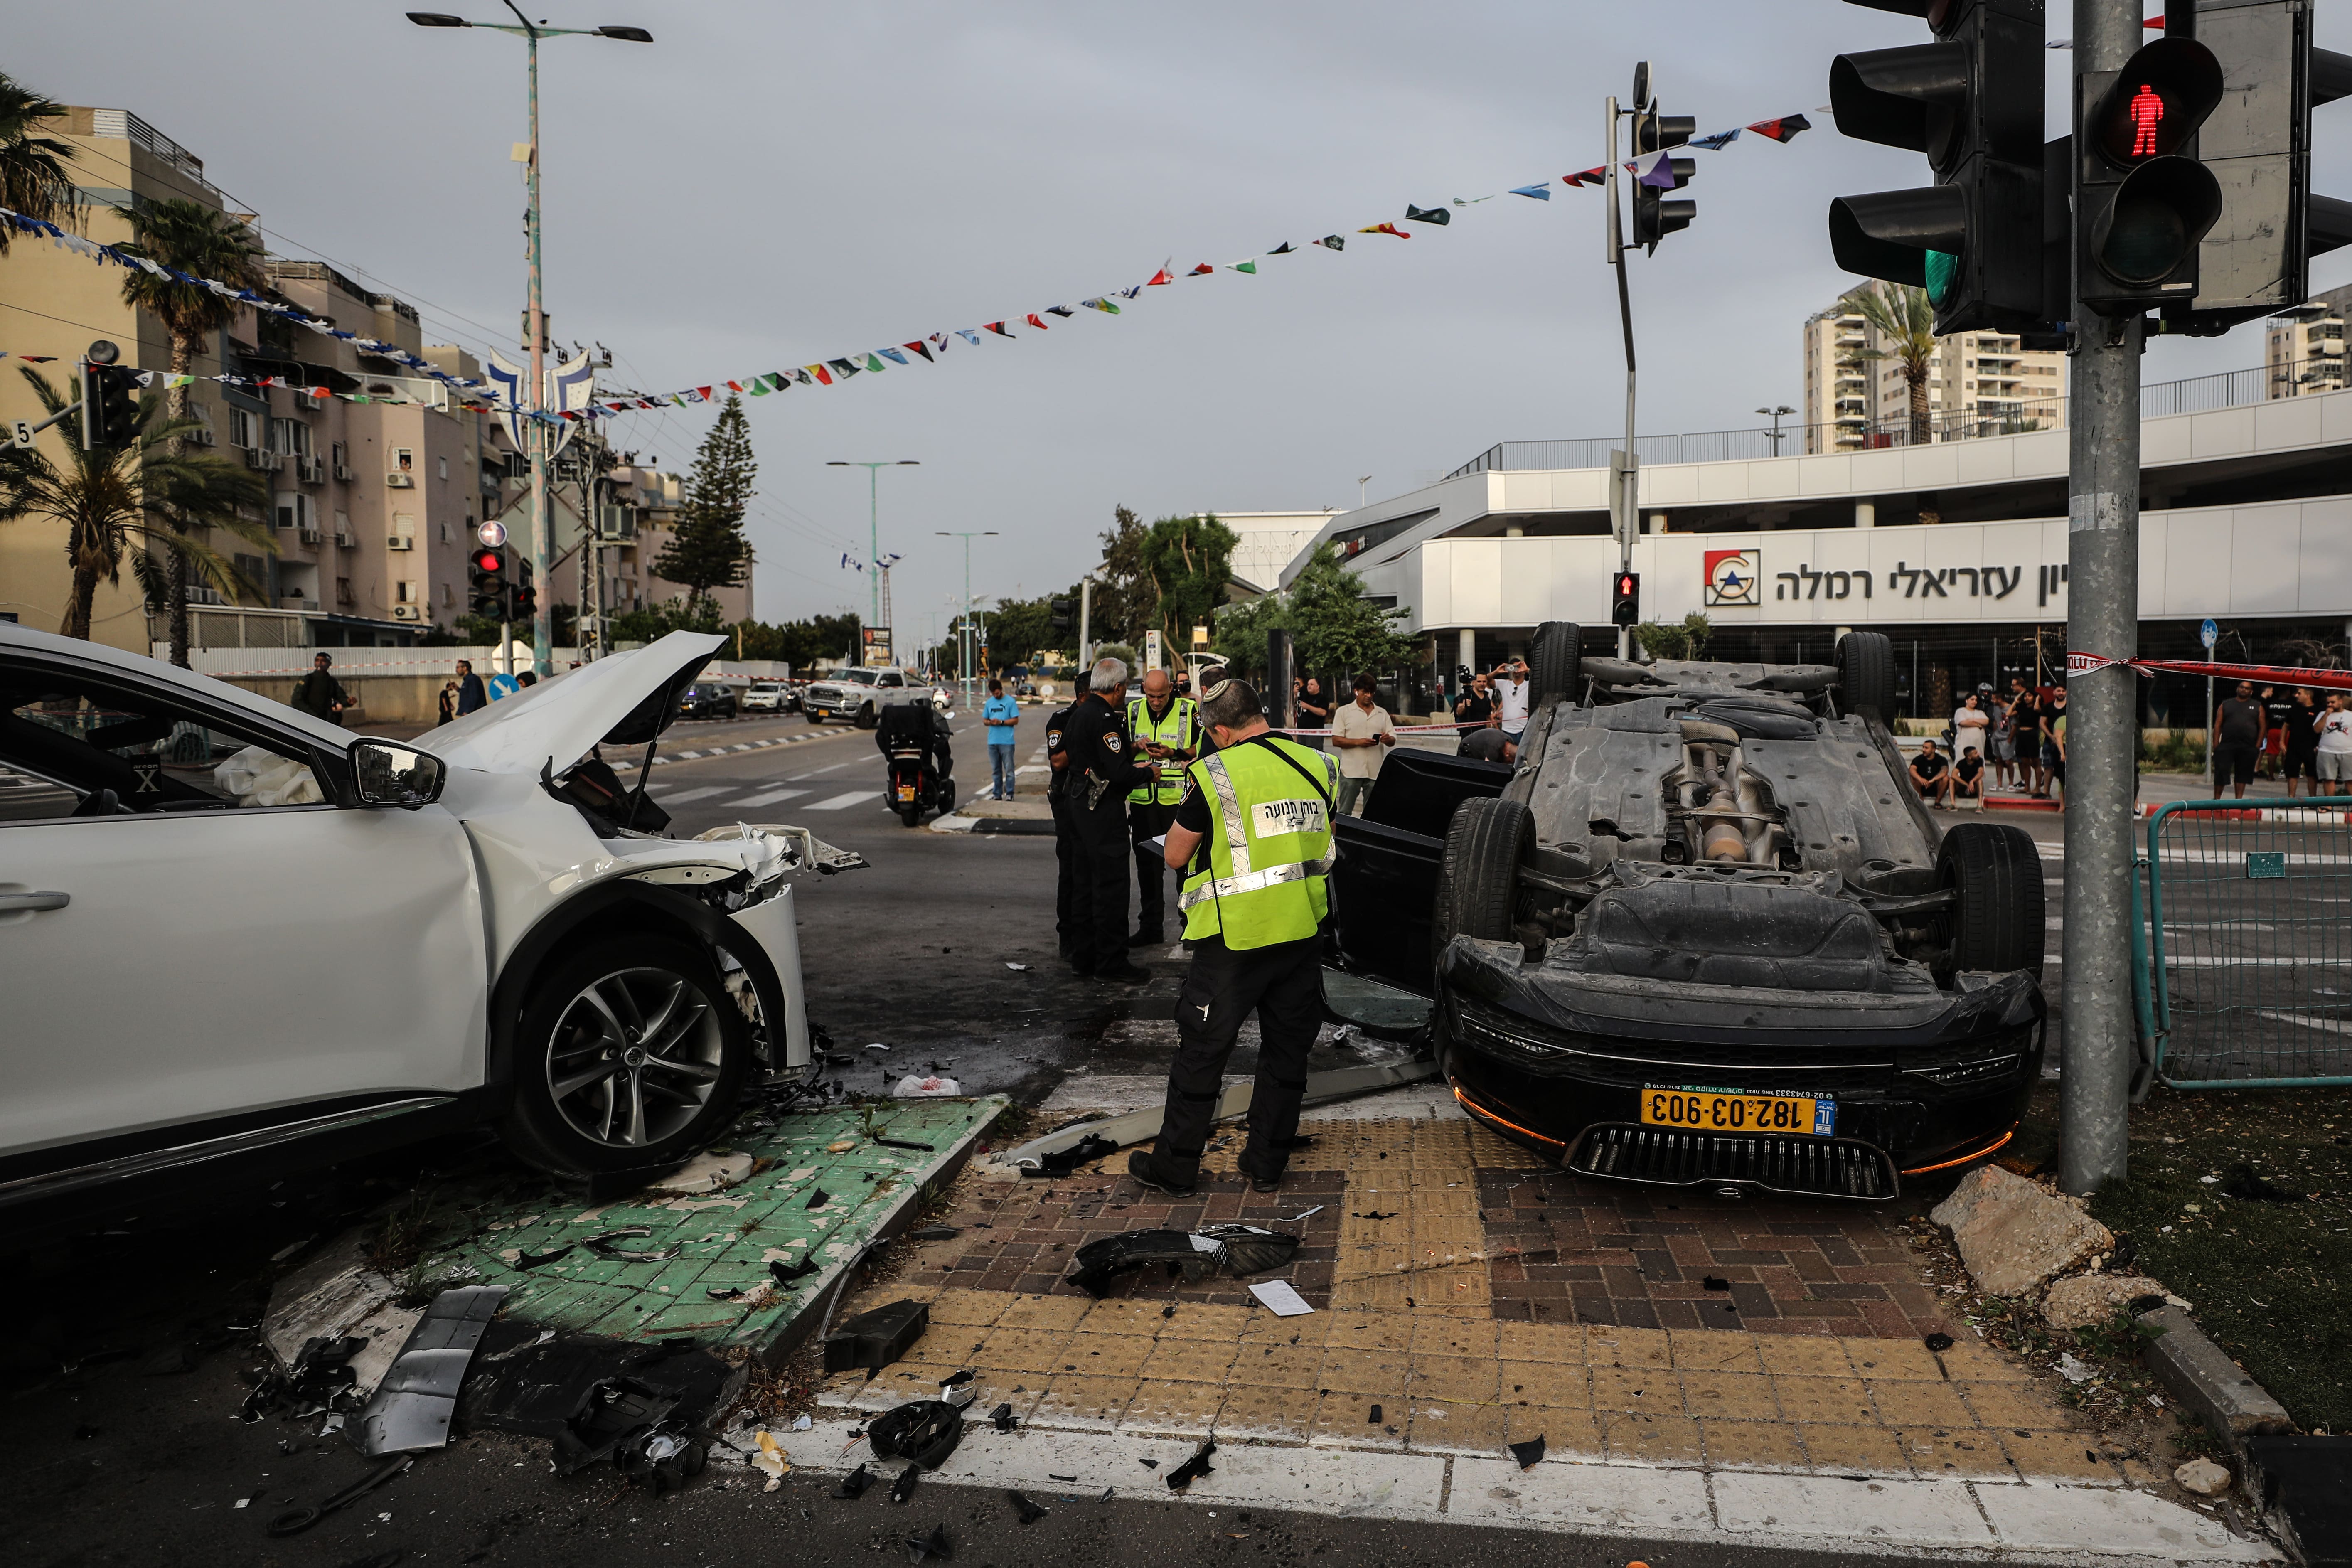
(1384, 885)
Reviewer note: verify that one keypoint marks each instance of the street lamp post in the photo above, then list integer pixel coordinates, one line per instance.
(874, 524)
(542, 561)
(1775, 415)
(966, 650)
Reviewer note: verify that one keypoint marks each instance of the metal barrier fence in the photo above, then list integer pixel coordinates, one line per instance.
(2245, 979)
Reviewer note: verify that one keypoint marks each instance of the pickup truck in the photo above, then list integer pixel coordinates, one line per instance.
(858, 695)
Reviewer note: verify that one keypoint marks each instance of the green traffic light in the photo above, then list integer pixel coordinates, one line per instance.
(1943, 270)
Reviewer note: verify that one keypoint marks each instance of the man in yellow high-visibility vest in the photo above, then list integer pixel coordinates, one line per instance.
(1253, 843)
(1161, 728)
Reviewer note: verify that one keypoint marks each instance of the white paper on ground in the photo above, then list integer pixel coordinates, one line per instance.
(1280, 1300)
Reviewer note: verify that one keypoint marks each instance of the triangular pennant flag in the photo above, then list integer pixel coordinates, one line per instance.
(759, 386)
(1586, 177)
(1472, 201)
(1655, 169)
(820, 372)
(1540, 193)
(842, 368)
(1035, 322)
(1426, 214)
(1284, 249)
(1200, 271)
(1059, 311)
(968, 334)
(1105, 306)
(1249, 266)
(703, 394)
(803, 375)
(996, 327)
(873, 362)
(1715, 143)
(940, 341)
(1159, 277)
(1131, 293)
(1330, 242)
(1384, 228)
(1784, 128)
(894, 356)
(918, 346)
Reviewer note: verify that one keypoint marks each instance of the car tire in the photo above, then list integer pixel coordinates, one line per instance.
(650, 1108)
(814, 715)
(1557, 664)
(1479, 877)
(1997, 921)
(1865, 666)
(866, 718)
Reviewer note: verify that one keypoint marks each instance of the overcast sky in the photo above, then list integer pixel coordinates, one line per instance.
(768, 185)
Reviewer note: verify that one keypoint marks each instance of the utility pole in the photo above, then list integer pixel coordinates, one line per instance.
(1085, 628)
(874, 526)
(1623, 467)
(967, 651)
(2102, 617)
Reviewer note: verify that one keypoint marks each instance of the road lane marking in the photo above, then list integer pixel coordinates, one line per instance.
(684, 796)
(820, 772)
(770, 797)
(854, 797)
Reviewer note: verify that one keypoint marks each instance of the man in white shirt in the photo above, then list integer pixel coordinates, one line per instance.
(2335, 727)
(1511, 696)
(1361, 732)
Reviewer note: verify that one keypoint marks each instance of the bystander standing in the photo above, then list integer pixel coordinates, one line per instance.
(2237, 726)
(2335, 751)
(1363, 732)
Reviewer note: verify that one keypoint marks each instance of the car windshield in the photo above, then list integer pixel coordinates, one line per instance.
(857, 677)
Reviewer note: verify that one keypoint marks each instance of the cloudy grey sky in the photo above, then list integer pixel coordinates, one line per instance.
(771, 183)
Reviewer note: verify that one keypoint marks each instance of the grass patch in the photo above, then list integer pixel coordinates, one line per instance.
(2269, 1281)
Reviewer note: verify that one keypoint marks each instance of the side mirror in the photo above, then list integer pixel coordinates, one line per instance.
(389, 772)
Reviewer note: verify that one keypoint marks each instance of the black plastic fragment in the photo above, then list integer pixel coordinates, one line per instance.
(786, 1273)
(293, 1521)
(1372, 1418)
(904, 1487)
(923, 1430)
(936, 1232)
(1237, 1249)
(1029, 1512)
(1377, 1215)
(818, 1199)
(957, 1379)
(875, 1339)
(1004, 1417)
(853, 1486)
(1529, 1452)
(923, 1548)
(533, 1259)
(1940, 1341)
(1716, 1282)
(908, 1143)
(1085, 1150)
(2246, 1183)
(1168, 1310)
(1193, 1469)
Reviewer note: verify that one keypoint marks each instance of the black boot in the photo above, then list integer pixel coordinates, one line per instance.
(1146, 939)
(1263, 1176)
(1176, 1177)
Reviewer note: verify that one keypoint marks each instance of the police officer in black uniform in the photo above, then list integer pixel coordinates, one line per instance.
(1100, 770)
(1065, 831)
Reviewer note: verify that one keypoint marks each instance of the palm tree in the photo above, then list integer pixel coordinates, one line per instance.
(203, 242)
(34, 179)
(123, 500)
(1906, 324)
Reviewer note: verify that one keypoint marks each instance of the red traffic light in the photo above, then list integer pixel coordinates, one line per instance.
(1629, 584)
(490, 560)
(2157, 102)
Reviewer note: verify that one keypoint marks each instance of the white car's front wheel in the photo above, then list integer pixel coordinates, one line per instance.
(631, 1055)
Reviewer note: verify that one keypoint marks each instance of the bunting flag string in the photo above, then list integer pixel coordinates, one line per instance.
(1653, 169)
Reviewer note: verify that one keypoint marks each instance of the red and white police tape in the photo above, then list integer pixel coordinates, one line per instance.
(2260, 674)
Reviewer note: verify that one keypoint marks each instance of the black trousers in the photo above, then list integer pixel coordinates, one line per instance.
(1066, 931)
(1283, 986)
(1151, 821)
(1098, 878)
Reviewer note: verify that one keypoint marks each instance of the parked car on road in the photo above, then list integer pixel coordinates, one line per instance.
(858, 695)
(238, 938)
(1704, 933)
(707, 700)
(769, 696)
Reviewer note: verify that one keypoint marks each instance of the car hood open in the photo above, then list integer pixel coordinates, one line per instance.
(627, 699)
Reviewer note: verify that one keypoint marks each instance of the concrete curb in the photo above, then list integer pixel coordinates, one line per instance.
(2231, 1404)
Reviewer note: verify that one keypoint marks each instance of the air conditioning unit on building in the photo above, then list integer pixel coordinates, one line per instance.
(400, 482)
(309, 536)
(313, 470)
(400, 542)
(200, 436)
(343, 472)
(408, 612)
(264, 459)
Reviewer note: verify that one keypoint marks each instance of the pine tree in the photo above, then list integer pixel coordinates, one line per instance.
(706, 549)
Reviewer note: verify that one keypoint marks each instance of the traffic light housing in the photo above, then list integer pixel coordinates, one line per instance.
(486, 582)
(1971, 102)
(1065, 614)
(1625, 599)
(522, 603)
(109, 406)
(1655, 214)
(2256, 258)
(2143, 204)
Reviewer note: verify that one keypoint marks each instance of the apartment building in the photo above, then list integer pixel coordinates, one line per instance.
(1978, 383)
(2303, 348)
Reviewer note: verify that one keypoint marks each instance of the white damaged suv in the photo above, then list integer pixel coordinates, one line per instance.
(238, 936)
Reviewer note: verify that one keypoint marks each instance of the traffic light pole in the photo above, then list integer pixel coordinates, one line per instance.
(2103, 593)
(1626, 474)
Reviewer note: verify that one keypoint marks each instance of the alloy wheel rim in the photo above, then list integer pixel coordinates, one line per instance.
(635, 1057)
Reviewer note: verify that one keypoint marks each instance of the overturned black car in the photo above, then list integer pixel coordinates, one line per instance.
(1704, 934)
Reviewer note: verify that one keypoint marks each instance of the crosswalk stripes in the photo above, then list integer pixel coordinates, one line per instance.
(685, 795)
(770, 797)
(854, 797)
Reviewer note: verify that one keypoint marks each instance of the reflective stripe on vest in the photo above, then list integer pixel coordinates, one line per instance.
(1176, 728)
(1265, 881)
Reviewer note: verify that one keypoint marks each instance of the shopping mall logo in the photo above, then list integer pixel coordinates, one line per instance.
(1733, 577)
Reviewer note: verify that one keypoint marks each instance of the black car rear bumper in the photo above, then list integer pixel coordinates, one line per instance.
(1563, 1064)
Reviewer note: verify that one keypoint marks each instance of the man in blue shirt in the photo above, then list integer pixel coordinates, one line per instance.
(1000, 713)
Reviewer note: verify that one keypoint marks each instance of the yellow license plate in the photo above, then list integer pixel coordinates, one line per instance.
(1728, 1110)
(906, 792)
